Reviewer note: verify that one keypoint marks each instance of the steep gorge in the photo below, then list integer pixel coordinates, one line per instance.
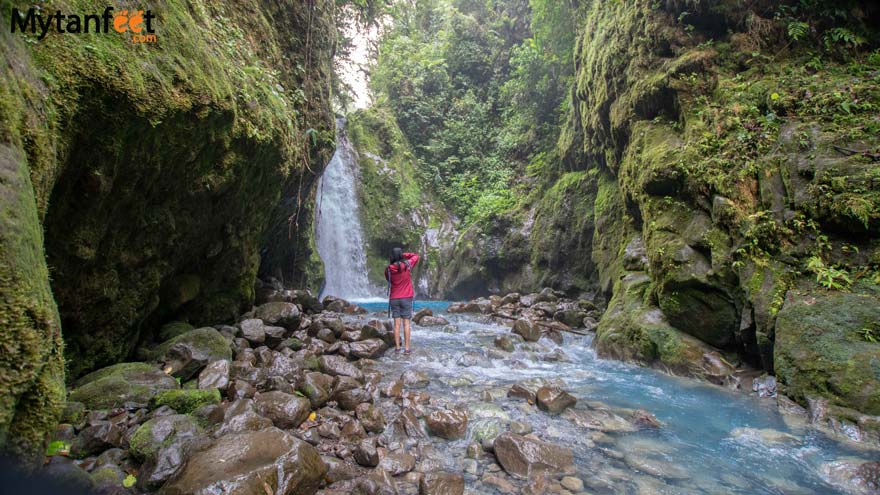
(703, 186)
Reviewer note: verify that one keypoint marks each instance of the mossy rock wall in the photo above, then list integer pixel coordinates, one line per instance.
(146, 180)
(719, 147)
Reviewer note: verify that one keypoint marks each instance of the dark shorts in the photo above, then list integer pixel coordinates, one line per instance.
(402, 308)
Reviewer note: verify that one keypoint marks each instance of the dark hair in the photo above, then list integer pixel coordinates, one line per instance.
(396, 257)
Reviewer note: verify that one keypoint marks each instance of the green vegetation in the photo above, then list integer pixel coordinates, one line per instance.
(478, 89)
(186, 401)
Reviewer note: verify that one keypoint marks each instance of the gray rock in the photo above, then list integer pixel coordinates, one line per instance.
(522, 456)
(527, 330)
(267, 461)
(285, 410)
(365, 454)
(339, 366)
(441, 483)
(554, 400)
(281, 314)
(215, 375)
(253, 330)
(163, 445)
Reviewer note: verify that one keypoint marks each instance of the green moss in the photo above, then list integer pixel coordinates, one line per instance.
(121, 369)
(173, 329)
(187, 400)
(208, 340)
(126, 382)
(819, 349)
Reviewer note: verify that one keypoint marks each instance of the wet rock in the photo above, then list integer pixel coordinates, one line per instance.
(368, 348)
(274, 335)
(241, 416)
(415, 379)
(349, 400)
(853, 476)
(521, 456)
(520, 428)
(433, 321)
(329, 430)
(644, 419)
(63, 471)
(326, 335)
(441, 483)
(339, 470)
(449, 423)
(571, 317)
(716, 369)
(523, 391)
(339, 366)
(764, 386)
(817, 409)
(315, 387)
(124, 383)
(253, 330)
(527, 330)
(186, 354)
(285, 410)
(352, 431)
(393, 389)
(365, 454)
(215, 375)
(98, 437)
(474, 451)
(501, 484)
(598, 419)
(163, 446)
(267, 461)
(281, 314)
(421, 314)
(308, 302)
(507, 341)
(371, 418)
(554, 336)
(240, 389)
(572, 484)
(635, 257)
(554, 400)
(397, 463)
(406, 425)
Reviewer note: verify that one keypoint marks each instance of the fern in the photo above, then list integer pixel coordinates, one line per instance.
(798, 30)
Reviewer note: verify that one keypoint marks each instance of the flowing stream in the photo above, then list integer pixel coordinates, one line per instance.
(338, 231)
(713, 440)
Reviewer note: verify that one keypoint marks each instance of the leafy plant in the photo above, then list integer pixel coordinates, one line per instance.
(829, 276)
(58, 447)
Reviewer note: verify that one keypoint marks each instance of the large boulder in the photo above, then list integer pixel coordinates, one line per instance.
(120, 384)
(447, 423)
(241, 416)
(267, 461)
(441, 483)
(189, 352)
(339, 366)
(215, 375)
(163, 445)
(522, 456)
(821, 348)
(285, 410)
(280, 314)
(527, 330)
(554, 400)
(369, 348)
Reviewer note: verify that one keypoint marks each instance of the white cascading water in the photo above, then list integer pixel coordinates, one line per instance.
(338, 231)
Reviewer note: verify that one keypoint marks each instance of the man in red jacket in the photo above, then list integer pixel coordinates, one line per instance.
(398, 273)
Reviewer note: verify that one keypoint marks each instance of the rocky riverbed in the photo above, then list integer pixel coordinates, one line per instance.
(302, 396)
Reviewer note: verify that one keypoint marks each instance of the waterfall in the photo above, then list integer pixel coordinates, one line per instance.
(340, 237)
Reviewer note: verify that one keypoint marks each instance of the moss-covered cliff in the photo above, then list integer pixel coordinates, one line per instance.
(143, 180)
(725, 151)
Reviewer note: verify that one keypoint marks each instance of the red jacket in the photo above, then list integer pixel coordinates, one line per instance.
(401, 276)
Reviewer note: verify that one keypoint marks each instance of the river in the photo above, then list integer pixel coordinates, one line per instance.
(712, 440)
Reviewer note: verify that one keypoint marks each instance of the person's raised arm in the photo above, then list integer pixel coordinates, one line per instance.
(413, 258)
